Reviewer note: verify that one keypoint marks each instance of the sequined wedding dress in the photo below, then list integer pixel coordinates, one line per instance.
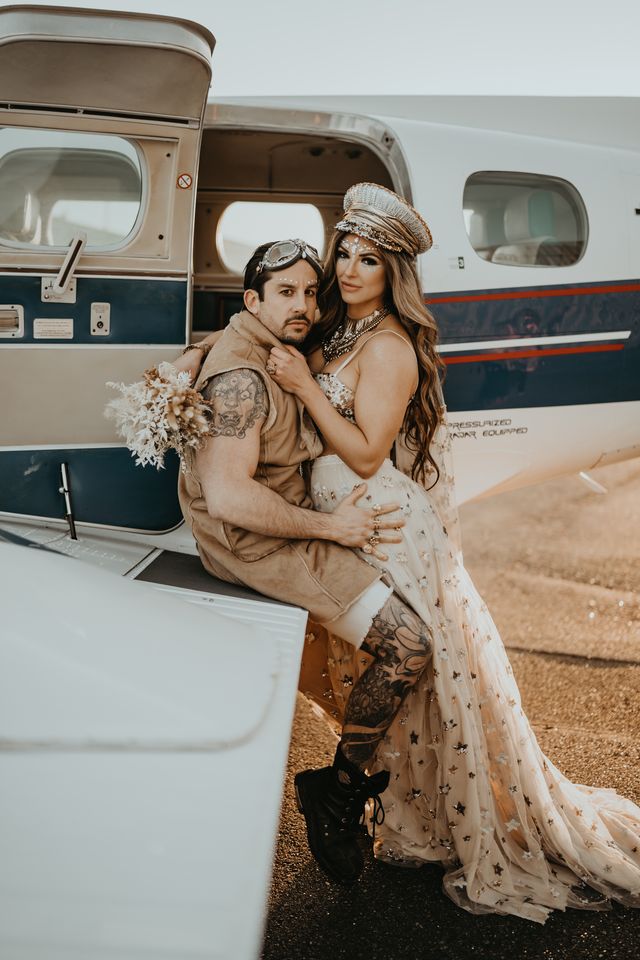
(470, 787)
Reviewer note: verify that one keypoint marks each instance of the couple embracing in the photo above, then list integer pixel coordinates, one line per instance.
(294, 494)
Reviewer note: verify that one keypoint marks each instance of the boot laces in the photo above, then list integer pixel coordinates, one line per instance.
(377, 813)
(377, 817)
(363, 789)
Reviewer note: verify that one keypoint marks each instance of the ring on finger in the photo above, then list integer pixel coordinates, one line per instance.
(367, 548)
(271, 367)
(376, 508)
(376, 522)
(374, 539)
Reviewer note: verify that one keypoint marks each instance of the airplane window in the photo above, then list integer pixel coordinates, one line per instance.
(524, 220)
(244, 225)
(54, 183)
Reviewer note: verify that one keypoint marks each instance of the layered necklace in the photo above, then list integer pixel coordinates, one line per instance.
(346, 336)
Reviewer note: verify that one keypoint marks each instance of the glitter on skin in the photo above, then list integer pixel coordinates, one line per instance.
(356, 246)
(287, 282)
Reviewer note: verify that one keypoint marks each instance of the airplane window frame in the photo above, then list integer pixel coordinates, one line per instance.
(505, 250)
(76, 146)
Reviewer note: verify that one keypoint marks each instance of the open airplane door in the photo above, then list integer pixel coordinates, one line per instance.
(100, 126)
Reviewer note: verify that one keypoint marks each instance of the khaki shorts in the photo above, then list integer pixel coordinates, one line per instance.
(324, 578)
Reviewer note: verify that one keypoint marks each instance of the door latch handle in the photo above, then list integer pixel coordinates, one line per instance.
(69, 264)
(65, 490)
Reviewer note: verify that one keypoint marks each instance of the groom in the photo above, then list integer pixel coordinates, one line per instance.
(245, 498)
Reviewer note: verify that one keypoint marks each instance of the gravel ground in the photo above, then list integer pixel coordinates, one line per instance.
(559, 567)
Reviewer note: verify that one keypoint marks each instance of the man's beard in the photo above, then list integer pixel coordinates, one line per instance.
(295, 341)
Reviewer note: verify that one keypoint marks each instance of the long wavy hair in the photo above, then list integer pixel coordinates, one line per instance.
(404, 298)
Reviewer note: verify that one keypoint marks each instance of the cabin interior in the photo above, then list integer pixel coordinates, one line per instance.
(258, 172)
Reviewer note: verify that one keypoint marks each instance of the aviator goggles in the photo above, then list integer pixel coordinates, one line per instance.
(284, 253)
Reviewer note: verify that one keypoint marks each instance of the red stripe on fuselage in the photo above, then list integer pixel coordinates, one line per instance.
(524, 354)
(534, 294)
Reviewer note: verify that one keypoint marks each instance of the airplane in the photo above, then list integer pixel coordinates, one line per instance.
(128, 204)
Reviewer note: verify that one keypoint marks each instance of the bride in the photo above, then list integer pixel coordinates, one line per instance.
(470, 787)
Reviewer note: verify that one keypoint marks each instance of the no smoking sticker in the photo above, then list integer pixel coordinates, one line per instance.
(184, 181)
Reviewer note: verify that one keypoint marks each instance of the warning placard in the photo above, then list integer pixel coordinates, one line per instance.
(45, 328)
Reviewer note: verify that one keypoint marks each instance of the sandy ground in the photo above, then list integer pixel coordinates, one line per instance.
(560, 569)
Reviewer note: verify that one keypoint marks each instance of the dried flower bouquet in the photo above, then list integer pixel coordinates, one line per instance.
(161, 412)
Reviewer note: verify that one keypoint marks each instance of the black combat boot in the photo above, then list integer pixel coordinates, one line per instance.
(332, 802)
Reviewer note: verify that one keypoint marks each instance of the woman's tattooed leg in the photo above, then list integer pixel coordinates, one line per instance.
(401, 644)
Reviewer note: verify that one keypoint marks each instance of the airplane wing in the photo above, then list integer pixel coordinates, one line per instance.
(143, 743)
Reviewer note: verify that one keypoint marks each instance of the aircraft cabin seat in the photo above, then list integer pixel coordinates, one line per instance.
(529, 222)
(478, 235)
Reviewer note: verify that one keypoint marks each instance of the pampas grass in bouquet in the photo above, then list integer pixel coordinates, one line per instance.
(161, 412)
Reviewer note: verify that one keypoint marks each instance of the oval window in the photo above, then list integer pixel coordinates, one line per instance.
(524, 219)
(244, 225)
(54, 183)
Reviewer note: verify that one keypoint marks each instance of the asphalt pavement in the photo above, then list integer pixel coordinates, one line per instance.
(559, 567)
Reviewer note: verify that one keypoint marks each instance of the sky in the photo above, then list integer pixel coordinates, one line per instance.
(493, 47)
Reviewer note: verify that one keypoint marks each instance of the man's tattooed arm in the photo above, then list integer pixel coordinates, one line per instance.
(227, 464)
(238, 401)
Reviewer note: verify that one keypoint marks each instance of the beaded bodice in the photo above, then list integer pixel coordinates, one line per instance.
(338, 393)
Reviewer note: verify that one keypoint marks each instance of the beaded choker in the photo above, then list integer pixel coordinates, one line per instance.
(345, 337)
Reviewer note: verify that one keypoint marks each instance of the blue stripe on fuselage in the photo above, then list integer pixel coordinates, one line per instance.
(143, 310)
(106, 487)
(484, 315)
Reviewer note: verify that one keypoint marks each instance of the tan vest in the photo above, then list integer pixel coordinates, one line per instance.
(317, 574)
